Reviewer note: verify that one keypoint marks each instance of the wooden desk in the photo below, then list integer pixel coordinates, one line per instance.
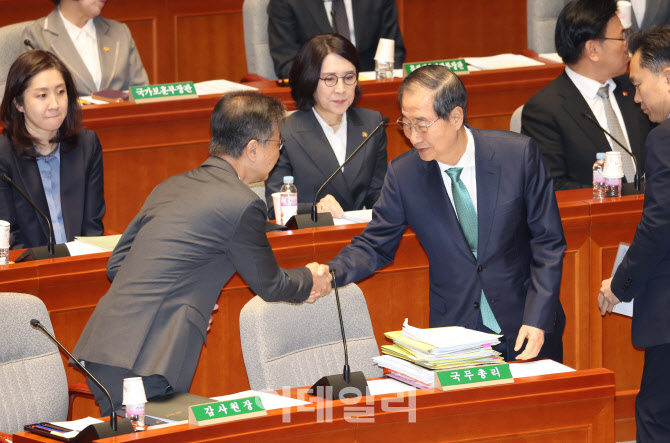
(71, 287)
(573, 407)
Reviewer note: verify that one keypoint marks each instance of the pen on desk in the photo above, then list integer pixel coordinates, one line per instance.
(81, 101)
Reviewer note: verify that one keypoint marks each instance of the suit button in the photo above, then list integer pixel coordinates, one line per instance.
(480, 268)
(476, 305)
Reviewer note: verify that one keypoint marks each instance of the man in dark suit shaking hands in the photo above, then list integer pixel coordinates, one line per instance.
(644, 273)
(482, 205)
(193, 233)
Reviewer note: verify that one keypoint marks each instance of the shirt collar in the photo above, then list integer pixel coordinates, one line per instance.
(587, 86)
(327, 127)
(53, 154)
(467, 160)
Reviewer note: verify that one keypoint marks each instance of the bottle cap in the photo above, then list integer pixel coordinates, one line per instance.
(600, 156)
(288, 179)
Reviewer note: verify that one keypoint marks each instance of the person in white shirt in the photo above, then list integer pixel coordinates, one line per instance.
(100, 53)
(648, 13)
(562, 116)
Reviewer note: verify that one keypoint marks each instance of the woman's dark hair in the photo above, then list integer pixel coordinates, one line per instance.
(24, 68)
(306, 69)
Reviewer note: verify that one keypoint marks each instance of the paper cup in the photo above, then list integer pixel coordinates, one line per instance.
(385, 50)
(624, 9)
(133, 391)
(276, 201)
(613, 167)
(4, 234)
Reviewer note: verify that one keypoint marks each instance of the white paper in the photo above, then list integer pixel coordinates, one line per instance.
(77, 425)
(451, 337)
(388, 386)
(270, 401)
(623, 308)
(220, 87)
(502, 61)
(553, 56)
(80, 248)
(93, 101)
(540, 367)
(351, 217)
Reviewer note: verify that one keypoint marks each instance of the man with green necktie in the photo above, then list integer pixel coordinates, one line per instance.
(482, 204)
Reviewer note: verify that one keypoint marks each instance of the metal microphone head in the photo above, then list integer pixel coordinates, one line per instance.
(6, 178)
(35, 323)
(385, 120)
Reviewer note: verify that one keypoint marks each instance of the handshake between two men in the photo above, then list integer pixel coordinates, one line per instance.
(321, 281)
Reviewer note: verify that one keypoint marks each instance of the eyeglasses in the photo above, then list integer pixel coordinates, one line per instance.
(331, 79)
(281, 142)
(422, 128)
(625, 34)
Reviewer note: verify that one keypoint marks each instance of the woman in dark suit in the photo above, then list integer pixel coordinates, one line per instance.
(47, 153)
(326, 129)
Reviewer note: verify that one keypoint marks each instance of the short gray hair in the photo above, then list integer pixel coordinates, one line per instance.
(449, 90)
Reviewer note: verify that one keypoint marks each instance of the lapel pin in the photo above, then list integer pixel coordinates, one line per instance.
(106, 48)
(364, 134)
(625, 94)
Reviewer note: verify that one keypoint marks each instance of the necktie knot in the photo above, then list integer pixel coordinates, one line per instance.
(604, 92)
(454, 173)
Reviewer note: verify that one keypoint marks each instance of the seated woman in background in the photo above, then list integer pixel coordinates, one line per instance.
(326, 129)
(47, 153)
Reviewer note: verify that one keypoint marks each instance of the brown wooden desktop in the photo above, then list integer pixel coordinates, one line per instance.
(71, 287)
(576, 406)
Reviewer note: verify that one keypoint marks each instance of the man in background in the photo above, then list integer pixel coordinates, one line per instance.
(292, 22)
(193, 233)
(562, 116)
(100, 53)
(648, 13)
(644, 273)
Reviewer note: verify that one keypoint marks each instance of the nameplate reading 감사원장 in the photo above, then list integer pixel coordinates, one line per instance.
(229, 410)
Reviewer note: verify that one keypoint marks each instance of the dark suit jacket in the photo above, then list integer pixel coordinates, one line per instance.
(292, 22)
(81, 189)
(644, 272)
(657, 12)
(193, 233)
(120, 64)
(569, 142)
(521, 243)
(309, 158)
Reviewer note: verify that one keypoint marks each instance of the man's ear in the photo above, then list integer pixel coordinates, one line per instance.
(250, 150)
(592, 50)
(456, 116)
(666, 75)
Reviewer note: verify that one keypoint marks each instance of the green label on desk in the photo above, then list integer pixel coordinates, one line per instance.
(168, 90)
(227, 409)
(479, 374)
(456, 65)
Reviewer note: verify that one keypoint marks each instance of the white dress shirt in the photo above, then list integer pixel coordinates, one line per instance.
(337, 139)
(639, 8)
(328, 4)
(589, 90)
(85, 40)
(468, 174)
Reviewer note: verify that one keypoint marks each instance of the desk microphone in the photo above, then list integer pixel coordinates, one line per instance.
(347, 384)
(28, 44)
(100, 429)
(39, 253)
(305, 220)
(637, 169)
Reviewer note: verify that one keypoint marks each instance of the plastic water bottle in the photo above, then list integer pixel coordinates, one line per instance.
(288, 199)
(4, 242)
(612, 187)
(383, 70)
(598, 179)
(613, 173)
(135, 413)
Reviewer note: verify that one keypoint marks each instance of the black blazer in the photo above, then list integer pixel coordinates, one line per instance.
(569, 142)
(292, 22)
(644, 273)
(657, 12)
(81, 190)
(309, 158)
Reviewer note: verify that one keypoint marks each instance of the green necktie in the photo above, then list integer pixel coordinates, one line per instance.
(467, 217)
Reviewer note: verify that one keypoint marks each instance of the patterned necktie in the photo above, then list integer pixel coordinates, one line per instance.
(615, 130)
(467, 217)
(340, 21)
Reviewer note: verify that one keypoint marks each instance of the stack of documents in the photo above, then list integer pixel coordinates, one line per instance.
(416, 353)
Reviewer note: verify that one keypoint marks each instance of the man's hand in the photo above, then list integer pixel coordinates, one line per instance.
(535, 338)
(320, 282)
(329, 204)
(606, 298)
(211, 317)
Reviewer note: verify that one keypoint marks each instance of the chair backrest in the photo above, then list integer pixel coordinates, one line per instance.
(33, 386)
(285, 344)
(515, 121)
(541, 18)
(255, 21)
(11, 46)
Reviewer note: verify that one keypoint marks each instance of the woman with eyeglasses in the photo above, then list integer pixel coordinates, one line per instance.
(326, 129)
(48, 154)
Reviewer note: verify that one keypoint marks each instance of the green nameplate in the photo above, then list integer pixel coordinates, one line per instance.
(473, 377)
(457, 66)
(168, 91)
(212, 413)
